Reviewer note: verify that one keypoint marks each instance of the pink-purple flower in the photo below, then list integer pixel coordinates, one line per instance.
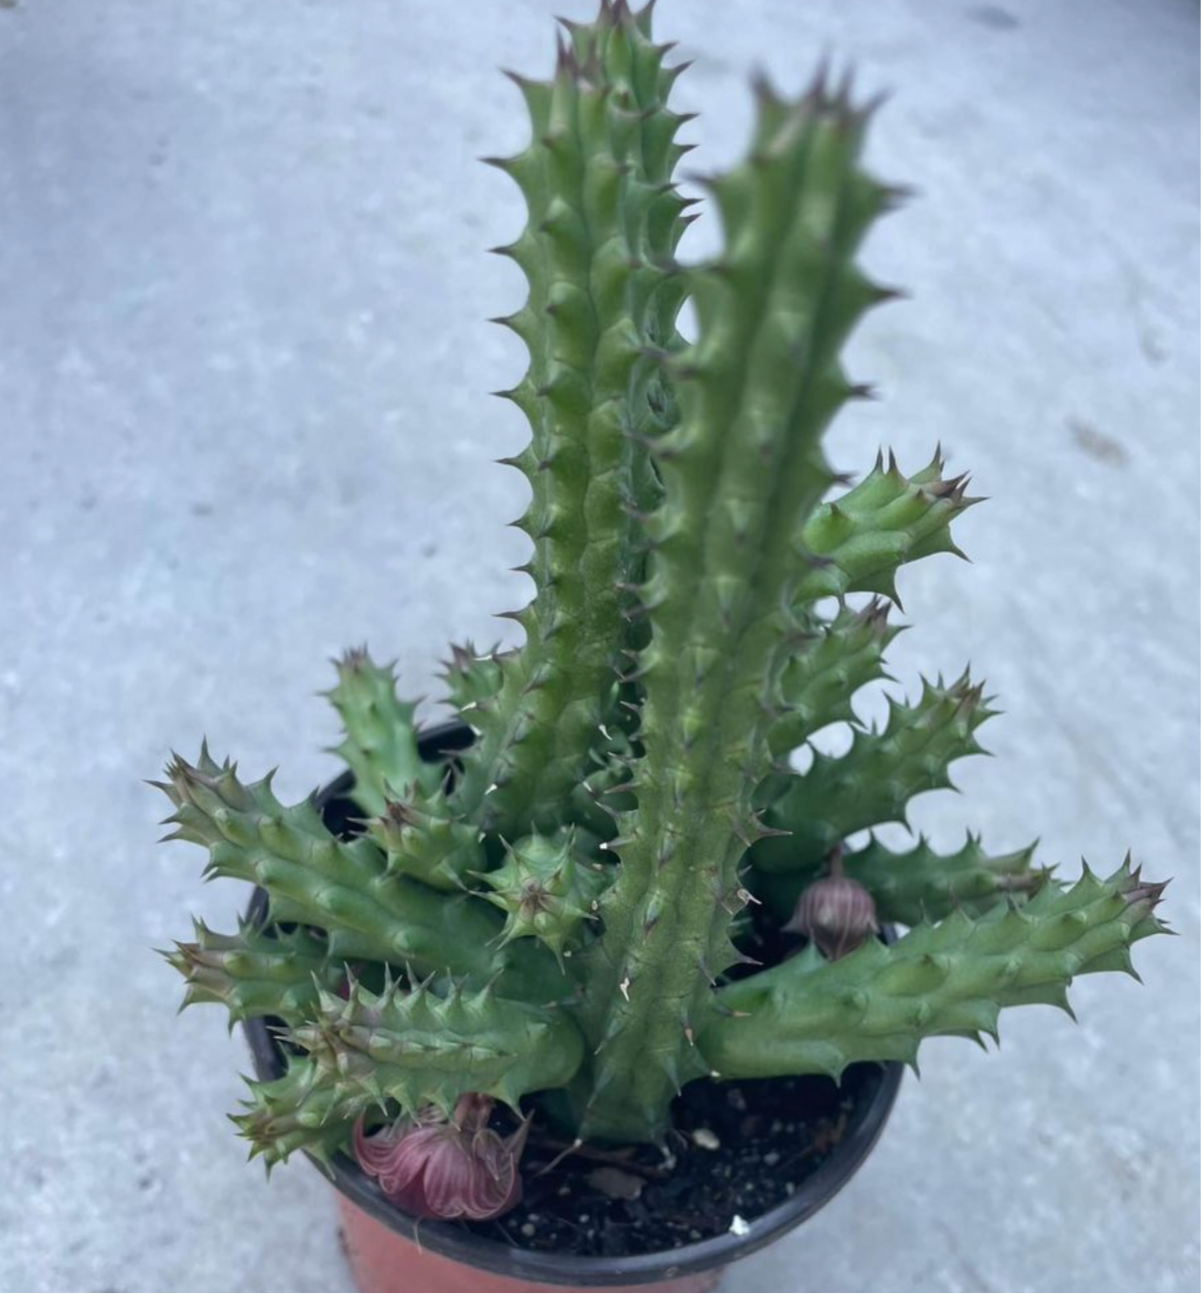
(435, 1167)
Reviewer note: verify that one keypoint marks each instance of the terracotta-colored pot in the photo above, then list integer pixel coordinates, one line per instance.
(384, 1261)
(391, 1251)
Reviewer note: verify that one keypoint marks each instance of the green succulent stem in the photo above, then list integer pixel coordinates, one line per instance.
(404, 1050)
(953, 978)
(741, 472)
(860, 541)
(875, 780)
(829, 666)
(547, 890)
(296, 1112)
(603, 224)
(417, 1048)
(472, 677)
(343, 887)
(380, 742)
(425, 840)
(254, 973)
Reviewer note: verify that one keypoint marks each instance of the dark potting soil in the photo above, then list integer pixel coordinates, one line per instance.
(738, 1150)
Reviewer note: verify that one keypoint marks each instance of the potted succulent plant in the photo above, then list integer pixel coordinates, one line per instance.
(588, 988)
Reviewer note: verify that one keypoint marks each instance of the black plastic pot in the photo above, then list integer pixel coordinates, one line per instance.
(876, 1091)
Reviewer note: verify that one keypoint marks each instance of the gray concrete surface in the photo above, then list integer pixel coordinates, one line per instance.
(243, 368)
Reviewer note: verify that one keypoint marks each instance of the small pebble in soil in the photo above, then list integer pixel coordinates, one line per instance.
(706, 1139)
(616, 1183)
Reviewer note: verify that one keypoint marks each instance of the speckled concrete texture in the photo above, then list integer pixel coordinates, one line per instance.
(243, 376)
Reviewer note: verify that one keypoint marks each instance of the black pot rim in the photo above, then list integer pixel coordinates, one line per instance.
(461, 1245)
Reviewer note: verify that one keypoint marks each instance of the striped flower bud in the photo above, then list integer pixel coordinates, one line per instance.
(836, 913)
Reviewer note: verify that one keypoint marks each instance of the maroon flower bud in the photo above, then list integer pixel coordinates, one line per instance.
(836, 913)
(434, 1167)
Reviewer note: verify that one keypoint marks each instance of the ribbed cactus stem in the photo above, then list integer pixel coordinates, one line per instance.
(826, 669)
(741, 473)
(295, 1112)
(416, 1047)
(861, 540)
(471, 676)
(254, 973)
(344, 887)
(547, 890)
(425, 840)
(603, 224)
(380, 742)
(879, 1003)
(875, 780)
